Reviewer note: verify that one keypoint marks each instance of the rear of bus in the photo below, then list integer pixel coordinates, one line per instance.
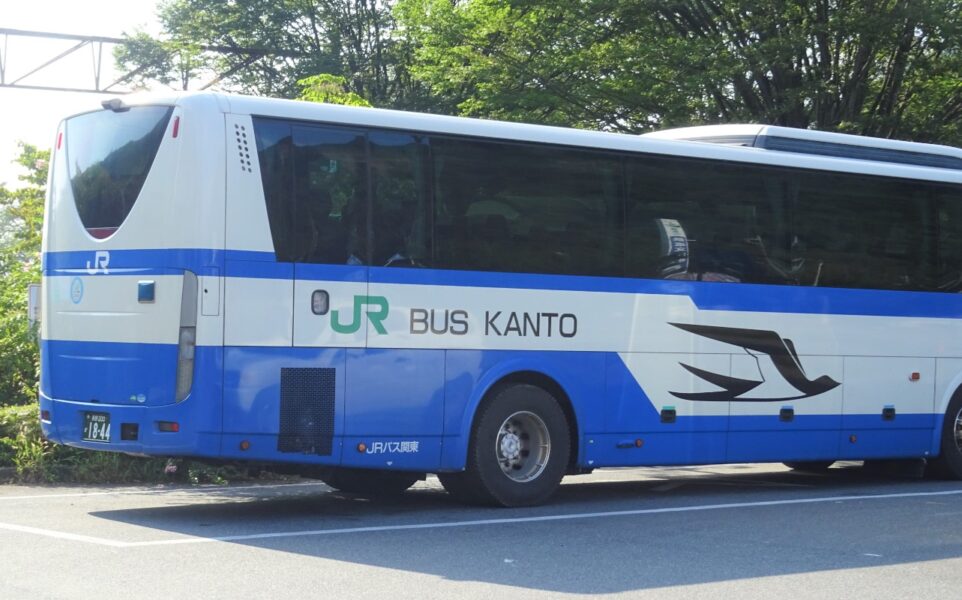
(131, 328)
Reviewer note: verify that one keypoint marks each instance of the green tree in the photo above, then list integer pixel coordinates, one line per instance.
(331, 89)
(890, 68)
(290, 40)
(21, 215)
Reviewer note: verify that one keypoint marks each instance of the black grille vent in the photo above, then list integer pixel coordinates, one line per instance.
(243, 147)
(307, 411)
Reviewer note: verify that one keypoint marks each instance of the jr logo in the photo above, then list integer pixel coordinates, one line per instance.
(101, 260)
(375, 315)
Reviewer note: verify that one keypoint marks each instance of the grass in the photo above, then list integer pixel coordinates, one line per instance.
(25, 457)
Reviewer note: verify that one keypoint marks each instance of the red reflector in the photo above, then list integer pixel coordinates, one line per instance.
(101, 233)
(59, 140)
(176, 126)
(45, 415)
(168, 426)
(915, 376)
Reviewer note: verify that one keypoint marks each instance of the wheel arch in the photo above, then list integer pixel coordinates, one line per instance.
(517, 374)
(953, 390)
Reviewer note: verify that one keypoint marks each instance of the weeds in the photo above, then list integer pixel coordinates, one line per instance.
(28, 458)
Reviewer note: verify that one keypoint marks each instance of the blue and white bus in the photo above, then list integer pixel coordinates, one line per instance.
(373, 295)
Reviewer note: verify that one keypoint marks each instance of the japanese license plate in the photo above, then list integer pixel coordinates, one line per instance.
(96, 427)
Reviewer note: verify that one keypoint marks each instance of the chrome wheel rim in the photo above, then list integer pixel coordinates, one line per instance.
(957, 430)
(523, 446)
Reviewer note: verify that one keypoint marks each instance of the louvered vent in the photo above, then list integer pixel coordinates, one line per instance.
(243, 148)
(307, 411)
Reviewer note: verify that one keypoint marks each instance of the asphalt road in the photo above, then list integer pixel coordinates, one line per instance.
(737, 531)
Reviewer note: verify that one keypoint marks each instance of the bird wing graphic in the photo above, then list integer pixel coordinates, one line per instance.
(781, 350)
(734, 385)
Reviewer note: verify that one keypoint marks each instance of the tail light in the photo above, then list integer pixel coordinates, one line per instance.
(187, 338)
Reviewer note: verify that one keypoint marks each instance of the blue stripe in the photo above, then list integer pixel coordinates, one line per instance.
(259, 269)
(705, 295)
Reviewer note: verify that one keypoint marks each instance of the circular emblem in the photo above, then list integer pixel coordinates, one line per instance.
(76, 290)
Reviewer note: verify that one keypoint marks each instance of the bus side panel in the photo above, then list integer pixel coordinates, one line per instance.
(469, 374)
(807, 431)
(878, 385)
(255, 411)
(394, 397)
(697, 434)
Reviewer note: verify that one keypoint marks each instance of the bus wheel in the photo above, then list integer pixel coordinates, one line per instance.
(810, 466)
(518, 450)
(370, 482)
(948, 465)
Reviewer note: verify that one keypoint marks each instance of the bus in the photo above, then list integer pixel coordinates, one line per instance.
(370, 296)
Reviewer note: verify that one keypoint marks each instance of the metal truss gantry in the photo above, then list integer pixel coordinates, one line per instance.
(246, 56)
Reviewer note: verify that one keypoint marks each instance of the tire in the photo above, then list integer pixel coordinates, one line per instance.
(369, 482)
(810, 466)
(518, 451)
(948, 465)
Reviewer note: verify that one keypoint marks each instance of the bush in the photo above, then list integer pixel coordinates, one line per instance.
(33, 459)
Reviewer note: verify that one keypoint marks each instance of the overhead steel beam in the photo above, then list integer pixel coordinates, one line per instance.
(96, 43)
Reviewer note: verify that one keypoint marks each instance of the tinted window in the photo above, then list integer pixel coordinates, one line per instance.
(706, 221)
(536, 209)
(275, 153)
(108, 157)
(401, 207)
(949, 252)
(489, 206)
(330, 196)
(864, 232)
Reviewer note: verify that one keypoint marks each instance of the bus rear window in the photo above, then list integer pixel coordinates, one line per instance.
(108, 157)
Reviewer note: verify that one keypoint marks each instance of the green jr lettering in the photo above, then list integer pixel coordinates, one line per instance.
(375, 316)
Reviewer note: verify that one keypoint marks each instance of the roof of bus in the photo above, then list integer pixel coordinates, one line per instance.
(666, 143)
(736, 131)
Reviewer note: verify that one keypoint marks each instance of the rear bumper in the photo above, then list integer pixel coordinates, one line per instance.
(198, 435)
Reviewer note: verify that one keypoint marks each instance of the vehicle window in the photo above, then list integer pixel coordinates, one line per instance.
(401, 207)
(708, 221)
(275, 156)
(330, 194)
(535, 209)
(109, 155)
(866, 232)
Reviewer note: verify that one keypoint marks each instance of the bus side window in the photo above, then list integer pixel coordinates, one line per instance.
(275, 155)
(949, 259)
(330, 196)
(401, 207)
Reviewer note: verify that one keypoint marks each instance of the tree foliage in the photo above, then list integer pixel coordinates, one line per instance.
(22, 217)
(890, 68)
(290, 40)
(331, 89)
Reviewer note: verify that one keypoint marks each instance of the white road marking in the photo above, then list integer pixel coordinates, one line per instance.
(156, 491)
(471, 523)
(62, 535)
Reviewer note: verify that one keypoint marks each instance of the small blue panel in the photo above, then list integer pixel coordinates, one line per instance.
(145, 291)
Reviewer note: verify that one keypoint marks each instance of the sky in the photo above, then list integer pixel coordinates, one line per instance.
(32, 116)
